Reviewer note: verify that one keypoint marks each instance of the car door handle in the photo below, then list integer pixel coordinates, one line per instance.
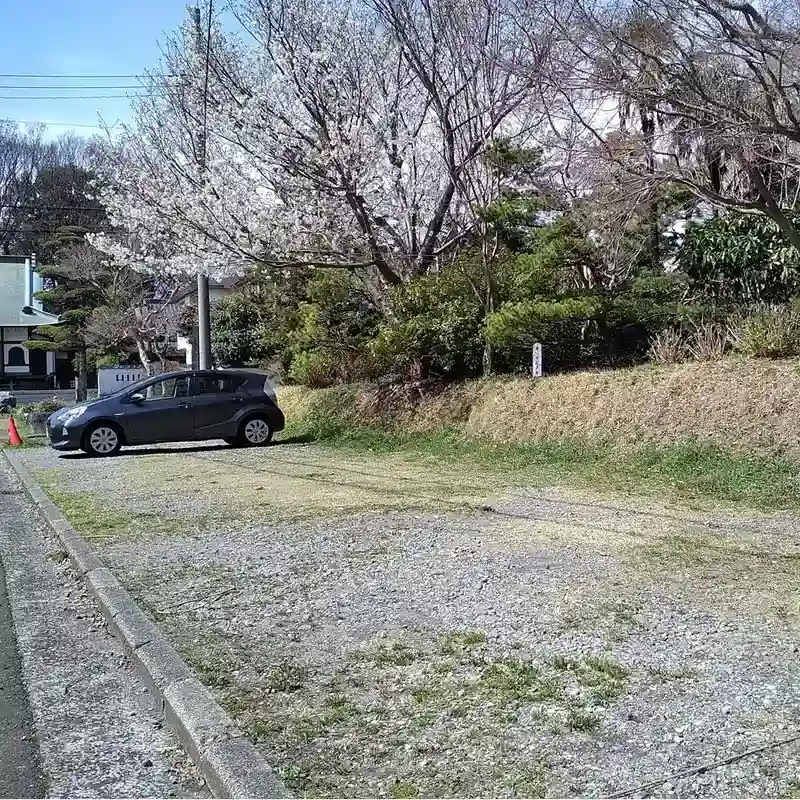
(183, 405)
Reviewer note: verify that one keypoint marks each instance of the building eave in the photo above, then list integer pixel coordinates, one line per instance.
(28, 317)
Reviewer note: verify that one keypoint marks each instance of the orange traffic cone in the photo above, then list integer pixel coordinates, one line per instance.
(14, 439)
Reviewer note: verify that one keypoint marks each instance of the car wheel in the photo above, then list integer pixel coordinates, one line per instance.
(102, 440)
(255, 432)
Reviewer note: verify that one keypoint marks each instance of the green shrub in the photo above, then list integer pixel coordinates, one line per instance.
(766, 333)
(323, 367)
(312, 368)
(740, 259)
(529, 321)
(434, 326)
(43, 406)
(236, 323)
(561, 256)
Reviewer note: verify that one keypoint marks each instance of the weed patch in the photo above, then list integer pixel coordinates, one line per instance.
(689, 471)
(582, 721)
(286, 677)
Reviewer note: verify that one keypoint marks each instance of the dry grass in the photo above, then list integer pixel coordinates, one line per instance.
(740, 405)
(156, 492)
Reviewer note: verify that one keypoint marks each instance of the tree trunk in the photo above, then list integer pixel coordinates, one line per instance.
(82, 379)
(488, 308)
(488, 356)
(648, 122)
(655, 236)
(143, 357)
(772, 209)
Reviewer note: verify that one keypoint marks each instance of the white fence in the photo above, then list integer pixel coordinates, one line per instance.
(112, 379)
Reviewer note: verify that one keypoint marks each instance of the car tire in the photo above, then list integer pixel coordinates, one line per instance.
(102, 439)
(255, 431)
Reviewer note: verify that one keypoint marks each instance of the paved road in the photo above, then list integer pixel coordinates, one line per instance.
(97, 730)
(20, 771)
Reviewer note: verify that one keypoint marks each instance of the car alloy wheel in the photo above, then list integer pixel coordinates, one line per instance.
(103, 440)
(256, 431)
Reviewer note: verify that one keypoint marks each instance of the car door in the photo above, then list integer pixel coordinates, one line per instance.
(163, 415)
(217, 403)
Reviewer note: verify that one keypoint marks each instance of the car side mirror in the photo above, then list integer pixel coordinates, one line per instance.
(137, 398)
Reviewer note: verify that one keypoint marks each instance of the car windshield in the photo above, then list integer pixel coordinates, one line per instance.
(131, 388)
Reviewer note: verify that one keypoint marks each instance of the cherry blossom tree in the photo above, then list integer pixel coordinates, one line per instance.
(343, 133)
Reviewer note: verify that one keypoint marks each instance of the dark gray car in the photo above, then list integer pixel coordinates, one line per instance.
(239, 407)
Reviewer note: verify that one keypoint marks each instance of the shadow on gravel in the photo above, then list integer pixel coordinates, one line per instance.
(199, 448)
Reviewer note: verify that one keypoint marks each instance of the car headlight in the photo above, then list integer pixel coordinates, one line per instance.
(73, 414)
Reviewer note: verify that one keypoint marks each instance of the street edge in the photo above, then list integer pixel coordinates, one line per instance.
(231, 765)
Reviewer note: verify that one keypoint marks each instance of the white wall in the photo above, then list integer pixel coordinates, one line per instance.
(112, 379)
(17, 333)
(184, 343)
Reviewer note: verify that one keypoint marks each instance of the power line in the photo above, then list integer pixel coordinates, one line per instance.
(74, 88)
(55, 124)
(72, 97)
(67, 76)
(50, 208)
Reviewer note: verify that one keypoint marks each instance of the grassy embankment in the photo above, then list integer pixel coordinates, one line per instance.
(722, 431)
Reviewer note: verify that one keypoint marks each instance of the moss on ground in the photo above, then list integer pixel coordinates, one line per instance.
(98, 519)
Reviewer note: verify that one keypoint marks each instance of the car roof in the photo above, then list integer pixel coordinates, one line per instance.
(210, 372)
(239, 373)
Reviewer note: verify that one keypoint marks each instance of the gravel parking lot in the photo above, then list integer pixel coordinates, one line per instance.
(385, 626)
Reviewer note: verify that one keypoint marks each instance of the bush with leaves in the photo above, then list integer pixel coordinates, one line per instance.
(561, 258)
(595, 327)
(321, 368)
(434, 325)
(335, 316)
(46, 406)
(740, 260)
(237, 330)
(637, 313)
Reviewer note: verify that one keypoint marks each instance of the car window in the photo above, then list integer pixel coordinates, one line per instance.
(168, 388)
(208, 384)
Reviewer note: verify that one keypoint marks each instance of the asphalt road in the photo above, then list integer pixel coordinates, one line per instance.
(98, 732)
(20, 771)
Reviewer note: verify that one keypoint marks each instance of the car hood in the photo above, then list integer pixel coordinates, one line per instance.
(67, 411)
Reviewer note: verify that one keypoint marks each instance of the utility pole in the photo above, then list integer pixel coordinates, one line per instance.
(203, 305)
(203, 323)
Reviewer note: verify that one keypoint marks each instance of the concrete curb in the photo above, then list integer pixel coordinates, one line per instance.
(231, 766)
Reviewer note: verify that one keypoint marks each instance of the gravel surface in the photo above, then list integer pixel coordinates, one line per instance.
(97, 732)
(385, 627)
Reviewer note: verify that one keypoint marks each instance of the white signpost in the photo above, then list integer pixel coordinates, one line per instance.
(536, 361)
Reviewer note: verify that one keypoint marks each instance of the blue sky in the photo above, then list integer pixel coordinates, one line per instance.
(60, 37)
